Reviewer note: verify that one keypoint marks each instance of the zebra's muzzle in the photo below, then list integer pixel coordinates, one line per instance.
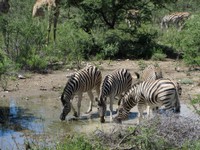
(62, 117)
(117, 120)
(102, 120)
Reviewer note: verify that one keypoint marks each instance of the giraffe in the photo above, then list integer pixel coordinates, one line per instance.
(4, 6)
(53, 12)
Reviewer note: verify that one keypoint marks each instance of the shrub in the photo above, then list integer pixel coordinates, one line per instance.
(158, 56)
(190, 42)
(5, 67)
(78, 142)
(186, 81)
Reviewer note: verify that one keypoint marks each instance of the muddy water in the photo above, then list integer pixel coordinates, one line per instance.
(36, 120)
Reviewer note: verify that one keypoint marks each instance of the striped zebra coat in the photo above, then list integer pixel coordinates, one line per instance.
(161, 92)
(150, 73)
(113, 85)
(85, 80)
(176, 19)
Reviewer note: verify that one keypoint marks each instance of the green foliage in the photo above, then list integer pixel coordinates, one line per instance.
(186, 81)
(36, 62)
(158, 55)
(196, 100)
(142, 65)
(78, 142)
(4, 82)
(5, 67)
(89, 28)
(190, 41)
(185, 41)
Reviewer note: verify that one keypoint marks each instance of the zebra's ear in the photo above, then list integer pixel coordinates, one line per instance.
(137, 75)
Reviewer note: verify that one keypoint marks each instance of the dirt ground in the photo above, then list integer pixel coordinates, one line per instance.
(52, 84)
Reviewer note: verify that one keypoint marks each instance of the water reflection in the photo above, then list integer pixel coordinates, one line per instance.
(14, 122)
(22, 120)
(13, 108)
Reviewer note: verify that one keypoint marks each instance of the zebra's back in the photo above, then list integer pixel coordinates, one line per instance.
(151, 73)
(116, 83)
(85, 79)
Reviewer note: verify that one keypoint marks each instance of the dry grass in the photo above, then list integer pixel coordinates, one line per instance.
(161, 132)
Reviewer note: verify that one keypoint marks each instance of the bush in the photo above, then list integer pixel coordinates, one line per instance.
(78, 142)
(5, 67)
(158, 55)
(37, 63)
(190, 42)
(165, 131)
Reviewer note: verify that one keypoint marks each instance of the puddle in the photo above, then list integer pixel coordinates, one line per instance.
(23, 121)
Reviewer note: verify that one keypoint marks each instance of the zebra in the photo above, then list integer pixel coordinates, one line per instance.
(85, 80)
(149, 93)
(150, 73)
(177, 19)
(113, 85)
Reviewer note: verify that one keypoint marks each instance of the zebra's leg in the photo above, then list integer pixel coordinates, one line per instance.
(80, 95)
(148, 111)
(140, 113)
(74, 111)
(111, 108)
(91, 101)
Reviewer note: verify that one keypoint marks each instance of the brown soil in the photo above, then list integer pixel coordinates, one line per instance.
(52, 84)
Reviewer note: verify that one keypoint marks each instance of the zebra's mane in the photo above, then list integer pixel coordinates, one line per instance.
(129, 92)
(105, 81)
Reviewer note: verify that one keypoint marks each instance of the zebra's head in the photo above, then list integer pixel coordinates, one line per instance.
(101, 106)
(122, 112)
(66, 109)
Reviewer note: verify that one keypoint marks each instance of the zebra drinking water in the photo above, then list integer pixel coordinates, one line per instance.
(149, 93)
(85, 80)
(114, 84)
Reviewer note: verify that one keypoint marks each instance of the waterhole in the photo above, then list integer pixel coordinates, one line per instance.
(37, 121)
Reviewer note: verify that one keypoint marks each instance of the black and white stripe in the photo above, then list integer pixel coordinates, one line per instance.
(85, 80)
(176, 19)
(161, 92)
(114, 84)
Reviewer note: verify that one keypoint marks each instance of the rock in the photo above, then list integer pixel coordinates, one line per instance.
(21, 76)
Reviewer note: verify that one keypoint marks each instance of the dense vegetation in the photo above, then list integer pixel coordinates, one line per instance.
(93, 30)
